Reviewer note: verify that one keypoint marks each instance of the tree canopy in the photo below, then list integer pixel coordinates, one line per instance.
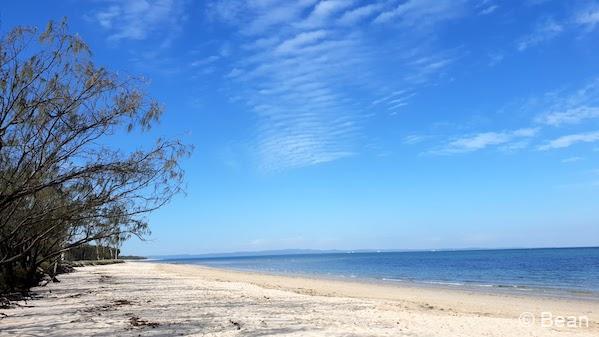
(62, 183)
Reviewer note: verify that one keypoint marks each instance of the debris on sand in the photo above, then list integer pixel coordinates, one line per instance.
(138, 322)
(236, 324)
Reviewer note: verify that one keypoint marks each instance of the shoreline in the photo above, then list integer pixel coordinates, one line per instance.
(146, 298)
(492, 289)
(425, 295)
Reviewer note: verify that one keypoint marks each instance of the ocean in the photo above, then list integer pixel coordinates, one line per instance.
(552, 271)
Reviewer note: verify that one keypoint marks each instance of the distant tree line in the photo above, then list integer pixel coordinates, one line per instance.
(132, 257)
(63, 181)
(92, 252)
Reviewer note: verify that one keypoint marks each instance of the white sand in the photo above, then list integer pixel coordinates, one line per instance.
(127, 299)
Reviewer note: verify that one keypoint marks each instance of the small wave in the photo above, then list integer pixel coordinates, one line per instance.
(444, 283)
(393, 279)
(513, 286)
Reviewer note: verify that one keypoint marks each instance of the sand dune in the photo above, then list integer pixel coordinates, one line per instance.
(149, 299)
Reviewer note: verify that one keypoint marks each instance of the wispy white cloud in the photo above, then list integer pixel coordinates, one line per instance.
(415, 139)
(569, 140)
(106, 17)
(559, 108)
(549, 28)
(138, 19)
(572, 159)
(394, 101)
(361, 13)
(393, 95)
(483, 140)
(545, 30)
(324, 10)
(419, 13)
(255, 17)
(486, 7)
(205, 61)
(300, 64)
(300, 40)
(588, 17)
(426, 66)
(305, 118)
(570, 116)
(562, 108)
(488, 10)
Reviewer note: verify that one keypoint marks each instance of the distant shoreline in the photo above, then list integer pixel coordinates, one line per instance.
(285, 252)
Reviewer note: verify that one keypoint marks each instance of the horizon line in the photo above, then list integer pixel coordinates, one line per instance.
(357, 251)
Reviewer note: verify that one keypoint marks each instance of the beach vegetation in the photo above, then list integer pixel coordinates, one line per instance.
(63, 181)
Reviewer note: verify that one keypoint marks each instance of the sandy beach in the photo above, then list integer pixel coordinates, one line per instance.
(151, 299)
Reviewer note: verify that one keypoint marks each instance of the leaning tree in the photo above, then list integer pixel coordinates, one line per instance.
(63, 181)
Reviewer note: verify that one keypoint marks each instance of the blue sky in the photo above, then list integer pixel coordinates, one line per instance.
(340, 124)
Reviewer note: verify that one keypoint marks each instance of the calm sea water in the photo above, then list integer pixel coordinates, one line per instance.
(569, 270)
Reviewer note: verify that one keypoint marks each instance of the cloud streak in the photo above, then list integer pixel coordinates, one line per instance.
(570, 108)
(475, 142)
(569, 140)
(301, 63)
(573, 115)
(545, 30)
(419, 13)
(588, 17)
(138, 19)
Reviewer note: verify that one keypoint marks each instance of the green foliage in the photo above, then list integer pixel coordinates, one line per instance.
(132, 257)
(91, 252)
(62, 184)
(86, 263)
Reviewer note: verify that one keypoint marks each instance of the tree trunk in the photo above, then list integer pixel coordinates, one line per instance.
(31, 273)
(7, 282)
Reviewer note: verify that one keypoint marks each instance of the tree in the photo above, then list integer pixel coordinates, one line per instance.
(61, 182)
